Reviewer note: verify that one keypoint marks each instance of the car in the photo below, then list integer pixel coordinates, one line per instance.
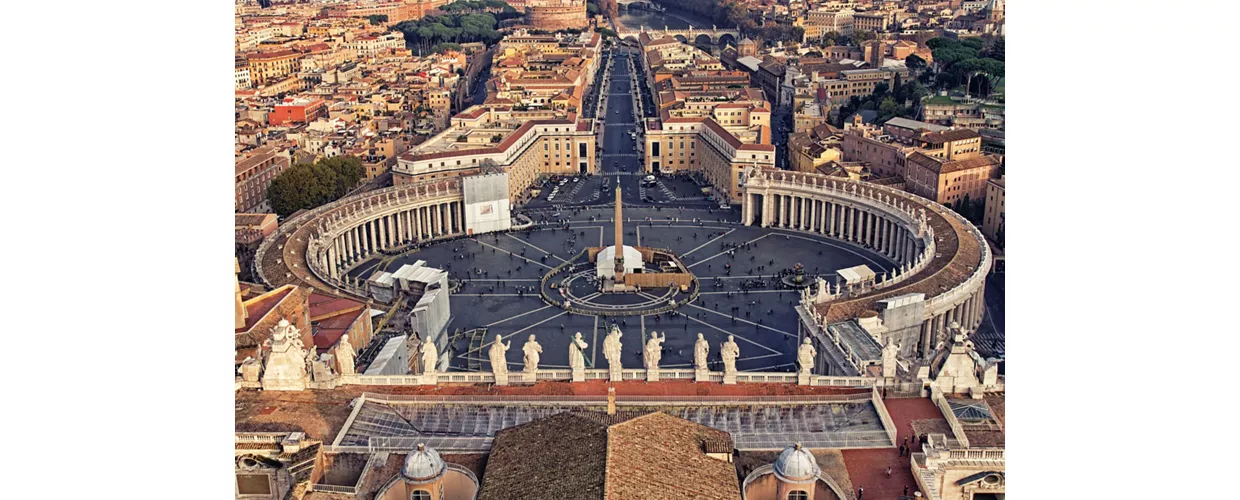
(576, 180)
(725, 206)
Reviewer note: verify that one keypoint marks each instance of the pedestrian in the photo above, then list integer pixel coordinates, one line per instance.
(860, 491)
(901, 450)
(906, 490)
(888, 472)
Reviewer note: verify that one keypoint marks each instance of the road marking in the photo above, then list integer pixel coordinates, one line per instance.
(726, 251)
(531, 245)
(737, 335)
(515, 317)
(514, 255)
(742, 320)
(502, 337)
(831, 244)
(712, 240)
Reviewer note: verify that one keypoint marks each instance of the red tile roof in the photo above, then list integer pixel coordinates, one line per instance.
(258, 308)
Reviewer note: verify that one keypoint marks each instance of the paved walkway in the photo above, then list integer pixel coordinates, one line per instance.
(868, 468)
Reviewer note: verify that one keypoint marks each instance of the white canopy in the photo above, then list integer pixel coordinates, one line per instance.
(856, 274)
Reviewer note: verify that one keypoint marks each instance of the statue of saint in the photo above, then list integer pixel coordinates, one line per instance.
(576, 353)
(654, 350)
(532, 351)
(890, 352)
(805, 356)
(345, 355)
(430, 358)
(611, 347)
(729, 352)
(701, 349)
(499, 355)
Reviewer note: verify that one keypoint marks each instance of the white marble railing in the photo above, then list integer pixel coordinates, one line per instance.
(958, 430)
(900, 206)
(998, 454)
(259, 437)
(604, 374)
(965, 289)
(888, 424)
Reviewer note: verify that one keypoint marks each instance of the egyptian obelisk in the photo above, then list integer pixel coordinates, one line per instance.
(619, 237)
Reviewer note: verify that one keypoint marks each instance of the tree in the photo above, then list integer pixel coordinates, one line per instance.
(861, 37)
(377, 19)
(914, 62)
(308, 185)
(996, 50)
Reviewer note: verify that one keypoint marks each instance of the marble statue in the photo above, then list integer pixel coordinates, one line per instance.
(287, 360)
(890, 352)
(654, 350)
(576, 353)
(532, 350)
(430, 359)
(611, 348)
(499, 355)
(345, 355)
(701, 349)
(729, 352)
(805, 356)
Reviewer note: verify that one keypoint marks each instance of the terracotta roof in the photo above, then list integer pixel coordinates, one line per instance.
(950, 136)
(586, 455)
(941, 166)
(563, 456)
(259, 307)
(661, 456)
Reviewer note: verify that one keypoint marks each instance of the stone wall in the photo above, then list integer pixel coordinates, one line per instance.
(557, 17)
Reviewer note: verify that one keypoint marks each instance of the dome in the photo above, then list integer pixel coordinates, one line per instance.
(796, 465)
(423, 465)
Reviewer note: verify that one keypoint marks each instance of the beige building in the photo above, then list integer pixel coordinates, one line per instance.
(253, 173)
(524, 148)
(993, 219)
(721, 154)
(369, 45)
(271, 66)
(957, 172)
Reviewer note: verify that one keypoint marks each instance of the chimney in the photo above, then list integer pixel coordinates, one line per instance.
(611, 400)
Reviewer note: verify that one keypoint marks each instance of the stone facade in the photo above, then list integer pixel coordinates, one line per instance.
(555, 15)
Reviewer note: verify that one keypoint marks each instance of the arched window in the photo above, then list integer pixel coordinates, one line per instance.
(426, 495)
(792, 495)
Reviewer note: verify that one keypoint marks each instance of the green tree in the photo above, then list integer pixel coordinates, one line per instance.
(377, 19)
(914, 62)
(308, 185)
(996, 50)
(863, 36)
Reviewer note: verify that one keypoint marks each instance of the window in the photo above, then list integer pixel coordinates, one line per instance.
(426, 495)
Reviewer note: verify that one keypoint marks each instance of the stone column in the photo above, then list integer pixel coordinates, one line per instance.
(443, 219)
(460, 213)
(355, 234)
(831, 219)
(383, 233)
(887, 237)
(436, 221)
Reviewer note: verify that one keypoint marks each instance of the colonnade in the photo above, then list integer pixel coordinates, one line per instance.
(402, 227)
(968, 313)
(838, 219)
(881, 219)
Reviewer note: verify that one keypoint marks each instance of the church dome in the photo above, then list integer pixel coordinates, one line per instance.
(796, 465)
(423, 465)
